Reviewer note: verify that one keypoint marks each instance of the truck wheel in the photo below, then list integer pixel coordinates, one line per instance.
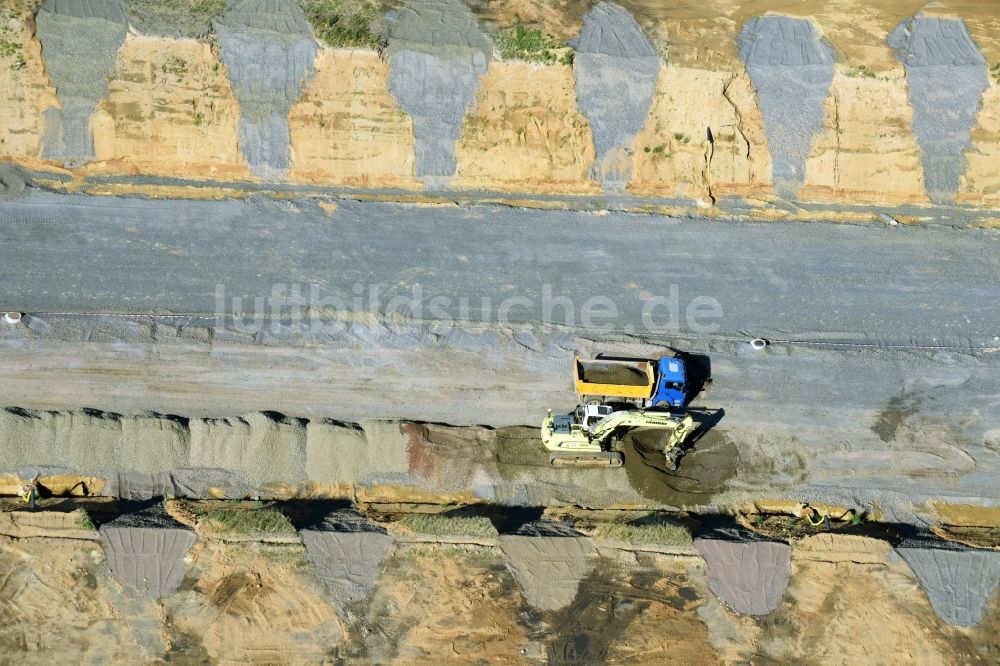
(662, 403)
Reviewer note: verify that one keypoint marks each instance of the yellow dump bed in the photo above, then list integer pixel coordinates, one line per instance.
(614, 378)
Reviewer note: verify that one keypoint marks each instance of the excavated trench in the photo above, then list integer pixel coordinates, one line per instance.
(270, 455)
(471, 473)
(704, 471)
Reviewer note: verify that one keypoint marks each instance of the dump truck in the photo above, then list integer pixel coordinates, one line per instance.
(602, 379)
(589, 436)
(662, 383)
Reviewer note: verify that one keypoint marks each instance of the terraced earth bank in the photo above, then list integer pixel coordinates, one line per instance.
(839, 103)
(333, 582)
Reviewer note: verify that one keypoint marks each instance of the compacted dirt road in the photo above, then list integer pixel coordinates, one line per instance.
(618, 273)
(878, 386)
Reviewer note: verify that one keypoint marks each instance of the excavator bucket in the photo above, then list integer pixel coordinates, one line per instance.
(673, 450)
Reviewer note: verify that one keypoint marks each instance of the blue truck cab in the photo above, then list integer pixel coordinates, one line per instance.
(671, 383)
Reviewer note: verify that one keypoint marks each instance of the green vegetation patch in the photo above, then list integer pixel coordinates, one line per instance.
(995, 72)
(174, 18)
(661, 533)
(204, 8)
(437, 524)
(83, 520)
(244, 518)
(861, 72)
(26, 6)
(532, 45)
(345, 23)
(10, 47)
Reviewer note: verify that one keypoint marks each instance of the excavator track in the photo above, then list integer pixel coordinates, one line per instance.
(602, 459)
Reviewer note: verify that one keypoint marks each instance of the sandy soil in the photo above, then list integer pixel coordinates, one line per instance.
(674, 156)
(867, 152)
(525, 133)
(169, 110)
(981, 183)
(249, 602)
(347, 128)
(28, 91)
(851, 613)
(448, 605)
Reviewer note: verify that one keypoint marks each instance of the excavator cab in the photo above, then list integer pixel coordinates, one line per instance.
(590, 415)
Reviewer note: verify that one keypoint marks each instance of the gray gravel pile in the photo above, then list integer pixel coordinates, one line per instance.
(80, 40)
(184, 482)
(263, 448)
(133, 486)
(959, 581)
(349, 562)
(151, 515)
(548, 568)
(546, 528)
(90, 441)
(791, 69)
(348, 519)
(13, 180)
(269, 51)
(342, 452)
(437, 56)
(616, 69)
(146, 551)
(946, 75)
(748, 573)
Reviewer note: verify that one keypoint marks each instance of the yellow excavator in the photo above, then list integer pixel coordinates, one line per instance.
(589, 436)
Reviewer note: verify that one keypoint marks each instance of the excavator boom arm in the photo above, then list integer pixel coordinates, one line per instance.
(633, 419)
